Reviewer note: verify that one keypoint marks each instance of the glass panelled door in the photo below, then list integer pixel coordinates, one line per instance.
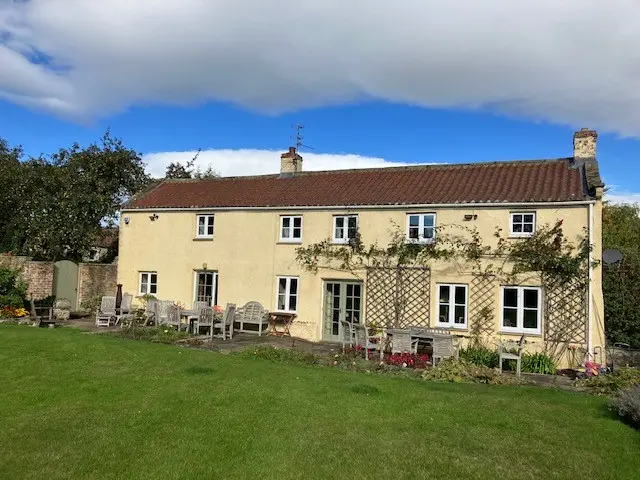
(342, 301)
(206, 287)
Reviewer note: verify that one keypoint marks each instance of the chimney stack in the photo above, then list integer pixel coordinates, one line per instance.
(290, 163)
(584, 143)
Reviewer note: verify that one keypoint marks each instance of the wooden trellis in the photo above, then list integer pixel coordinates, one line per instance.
(482, 303)
(566, 309)
(398, 297)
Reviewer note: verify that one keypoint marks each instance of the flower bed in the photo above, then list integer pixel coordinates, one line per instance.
(13, 312)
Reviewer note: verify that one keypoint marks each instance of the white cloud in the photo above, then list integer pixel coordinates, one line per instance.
(574, 62)
(258, 162)
(622, 197)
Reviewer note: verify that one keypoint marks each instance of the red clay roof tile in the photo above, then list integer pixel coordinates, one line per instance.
(497, 182)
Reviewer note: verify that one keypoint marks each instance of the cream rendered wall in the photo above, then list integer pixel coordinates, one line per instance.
(247, 254)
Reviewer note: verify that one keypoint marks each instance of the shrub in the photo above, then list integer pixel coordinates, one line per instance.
(279, 354)
(627, 404)
(92, 304)
(160, 334)
(410, 360)
(459, 371)
(45, 302)
(13, 289)
(537, 363)
(607, 384)
(480, 355)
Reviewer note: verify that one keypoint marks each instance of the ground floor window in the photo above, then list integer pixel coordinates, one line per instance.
(452, 305)
(148, 283)
(521, 309)
(206, 287)
(287, 294)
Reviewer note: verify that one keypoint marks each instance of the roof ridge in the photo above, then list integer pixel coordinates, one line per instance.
(417, 166)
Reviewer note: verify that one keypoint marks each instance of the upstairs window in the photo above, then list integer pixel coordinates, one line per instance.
(345, 228)
(291, 229)
(523, 224)
(205, 226)
(421, 227)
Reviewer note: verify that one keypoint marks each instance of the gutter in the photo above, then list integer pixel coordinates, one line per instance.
(461, 206)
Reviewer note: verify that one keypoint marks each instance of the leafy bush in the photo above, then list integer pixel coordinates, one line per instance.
(92, 304)
(13, 312)
(160, 334)
(13, 289)
(410, 360)
(537, 363)
(607, 384)
(45, 302)
(480, 356)
(279, 354)
(627, 404)
(459, 371)
(531, 362)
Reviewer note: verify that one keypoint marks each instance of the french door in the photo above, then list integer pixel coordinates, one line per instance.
(206, 287)
(342, 301)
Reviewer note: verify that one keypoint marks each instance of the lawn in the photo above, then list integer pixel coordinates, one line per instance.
(76, 405)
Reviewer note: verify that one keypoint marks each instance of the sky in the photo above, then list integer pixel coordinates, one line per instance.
(374, 83)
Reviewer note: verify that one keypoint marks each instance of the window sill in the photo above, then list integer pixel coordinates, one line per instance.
(452, 329)
(289, 242)
(528, 334)
(519, 237)
(203, 239)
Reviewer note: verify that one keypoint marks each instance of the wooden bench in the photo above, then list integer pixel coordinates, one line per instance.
(42, 315)
(252, 313)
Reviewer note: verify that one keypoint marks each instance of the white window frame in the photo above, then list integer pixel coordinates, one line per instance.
(214, 293)
(450, 323)
(148, 283)
(287, 293)
(521, 234)
(291, 238)
(209, 222)
(519, 328)
(345, 228)
(421, 226)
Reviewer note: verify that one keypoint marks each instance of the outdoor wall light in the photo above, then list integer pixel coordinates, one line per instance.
(204, 266)
(126, 220)
(153, 217)
(470, 217)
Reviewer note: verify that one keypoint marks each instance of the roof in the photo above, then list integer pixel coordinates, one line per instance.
(555, 180)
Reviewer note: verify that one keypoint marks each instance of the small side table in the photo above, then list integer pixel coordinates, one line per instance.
(280, 318)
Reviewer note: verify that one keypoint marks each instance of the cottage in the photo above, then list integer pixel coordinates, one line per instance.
(235, 240)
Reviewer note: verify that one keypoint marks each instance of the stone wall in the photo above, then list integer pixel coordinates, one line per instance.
(96, 279)
(39, 275)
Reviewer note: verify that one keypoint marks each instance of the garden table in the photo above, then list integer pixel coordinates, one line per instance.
(192, 319)
(284, 318)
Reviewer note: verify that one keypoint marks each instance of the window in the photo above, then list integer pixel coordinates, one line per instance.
(205, 226)
(206, 287)
(345, 228)
(287, 294)
(452, 306)
(291, 229)
(421, 227)
(148, 283)
(522, 224)
(521, 307)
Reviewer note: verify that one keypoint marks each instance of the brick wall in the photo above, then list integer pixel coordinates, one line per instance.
(39, 275)
(96, 279)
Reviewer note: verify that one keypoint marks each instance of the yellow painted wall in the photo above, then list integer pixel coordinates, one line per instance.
(247, 254)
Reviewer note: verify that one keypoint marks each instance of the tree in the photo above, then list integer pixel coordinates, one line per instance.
(178, 170)
(621, 283)
(57, 205)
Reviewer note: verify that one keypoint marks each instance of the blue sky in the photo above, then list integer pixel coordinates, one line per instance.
(502, 81)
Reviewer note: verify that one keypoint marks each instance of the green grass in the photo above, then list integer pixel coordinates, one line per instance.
(75, 405)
